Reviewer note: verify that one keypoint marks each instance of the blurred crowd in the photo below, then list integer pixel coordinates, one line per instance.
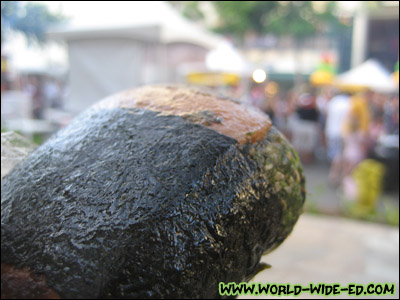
(324, 124)
(341, 127)
(45, 92)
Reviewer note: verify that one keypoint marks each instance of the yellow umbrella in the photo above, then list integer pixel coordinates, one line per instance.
(324, 73)
(321, 77)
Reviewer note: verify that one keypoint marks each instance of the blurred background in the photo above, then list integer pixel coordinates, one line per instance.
(326, 72)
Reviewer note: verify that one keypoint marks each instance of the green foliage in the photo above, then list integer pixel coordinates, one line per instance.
(191, 10)
(240, 17)
(387, 212)
(38, 139)
(32, 19)
(326, 68)
(292, 18)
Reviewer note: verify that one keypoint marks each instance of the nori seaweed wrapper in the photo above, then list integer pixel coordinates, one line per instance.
(129, 202)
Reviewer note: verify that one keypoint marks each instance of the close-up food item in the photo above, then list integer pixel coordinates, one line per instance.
(156, 192)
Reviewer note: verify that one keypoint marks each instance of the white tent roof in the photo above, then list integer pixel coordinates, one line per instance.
(226, 58)
(370, 74)
(150, 20)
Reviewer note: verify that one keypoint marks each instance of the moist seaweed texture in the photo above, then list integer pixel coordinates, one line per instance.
(130, 203)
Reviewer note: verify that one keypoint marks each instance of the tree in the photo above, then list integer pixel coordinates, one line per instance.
(301, 19)
(32, 19)
(297, 19)
(242, 17)
(292, 18)
(190, 9)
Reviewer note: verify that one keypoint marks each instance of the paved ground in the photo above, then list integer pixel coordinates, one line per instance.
(334, 250)
(319, 192)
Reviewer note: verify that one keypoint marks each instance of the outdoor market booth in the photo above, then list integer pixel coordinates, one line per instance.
(139, 43)
(372, 76)
(369, 75)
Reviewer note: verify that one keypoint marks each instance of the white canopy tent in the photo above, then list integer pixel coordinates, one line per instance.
(148, 20)
(115, 45)
(225, 58)
(370, 74)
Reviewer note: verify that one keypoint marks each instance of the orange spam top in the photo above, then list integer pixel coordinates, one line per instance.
(241, 122)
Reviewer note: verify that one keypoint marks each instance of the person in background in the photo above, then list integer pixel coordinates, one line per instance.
(391, 115)
(323, 100)
(267, 105)
(360, 110)
(257, 96)
(281, 113)
(52, 93)
(354, 150)
(305, 126)
(376, 126)
(336, 111)
(355, 132)
(30, 86)
(38, 99)
(34, 89)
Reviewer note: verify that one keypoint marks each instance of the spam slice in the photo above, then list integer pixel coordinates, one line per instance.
(156, 192)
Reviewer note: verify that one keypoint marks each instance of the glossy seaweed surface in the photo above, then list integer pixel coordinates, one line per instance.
(129, 203)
